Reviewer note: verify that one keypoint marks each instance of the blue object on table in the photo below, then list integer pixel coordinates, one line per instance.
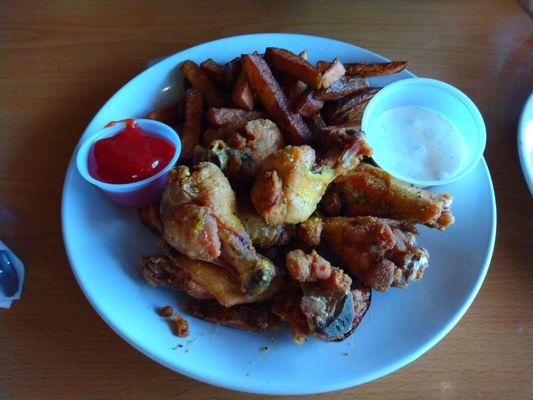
(9, 280)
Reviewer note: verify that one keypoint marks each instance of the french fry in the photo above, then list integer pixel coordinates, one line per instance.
(333, 135)
(367, 70)
(292, 88)
(331, 74)
(341, 88)
(172, 113)
(222, 132)
(242, 95)
(199, 80)
(232, 70)
(307, 105)
(377, 69)
(190, 136)
(222, 116)
(274, 100)
(255, 317)
(335, 112)
(214, 71)
(295, 66)
(322, 66)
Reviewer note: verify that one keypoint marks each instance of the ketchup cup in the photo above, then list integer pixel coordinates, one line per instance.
(135, 194)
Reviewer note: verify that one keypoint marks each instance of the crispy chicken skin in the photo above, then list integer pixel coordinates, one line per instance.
(198, 212)
(371, 191)
(311, 230)
(240, 155)
(262, 235)
(199, 279)
(291, 182)
(161, 270)
(380, 252)
(325, 301)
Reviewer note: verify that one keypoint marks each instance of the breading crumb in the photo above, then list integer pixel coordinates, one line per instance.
(179, 326)
(165, 312)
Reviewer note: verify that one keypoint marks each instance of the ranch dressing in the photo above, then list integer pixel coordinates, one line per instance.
(417, 143)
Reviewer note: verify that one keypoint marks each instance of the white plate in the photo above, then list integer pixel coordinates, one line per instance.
(525, 142)
(104, 242)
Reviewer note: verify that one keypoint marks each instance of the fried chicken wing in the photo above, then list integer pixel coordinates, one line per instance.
(198, 215)
(329, 306)
(241, 155)
(161, 270)
(261, 234)
(380, 252)
(371, 191)
(200, 280)
(291, 182)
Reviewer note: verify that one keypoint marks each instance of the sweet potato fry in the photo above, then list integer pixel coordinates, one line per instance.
(341, 88)
(222, 116)
(274, 100)
(199, 80)
(335, 111)
(331, 74)
(377, 69)
(293, 88)
(322, 66)
(255, 317)
(295, 66)
(190, 136)
(222, 132)
(214, 71)
(335, 135)
(307, 105)
(172, 113)
(367, 70)
(242, 95)
(232, 70)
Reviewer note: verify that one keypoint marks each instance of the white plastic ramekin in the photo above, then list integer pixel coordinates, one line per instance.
(438, 96)
(135, 194)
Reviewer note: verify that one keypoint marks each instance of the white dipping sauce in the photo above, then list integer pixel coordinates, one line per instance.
(417, 143)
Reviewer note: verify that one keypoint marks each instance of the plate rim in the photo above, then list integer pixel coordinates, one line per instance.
(241, 386)
(527, 168)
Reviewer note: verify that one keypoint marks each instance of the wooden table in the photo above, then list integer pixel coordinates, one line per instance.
(60, 61)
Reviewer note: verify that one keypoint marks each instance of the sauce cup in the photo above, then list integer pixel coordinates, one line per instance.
(441, 98)
(135, 194)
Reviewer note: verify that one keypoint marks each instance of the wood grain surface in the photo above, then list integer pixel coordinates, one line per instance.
(60, 61)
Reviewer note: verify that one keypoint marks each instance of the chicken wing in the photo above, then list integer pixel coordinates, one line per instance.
(371, 191)
(291, 183)
(198, 215)
(380, 252)
(326, 303)
(161, 270)
(241, 155)
(262, 235)
(199, 279)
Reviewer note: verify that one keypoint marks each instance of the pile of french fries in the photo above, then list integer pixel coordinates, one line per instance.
(306, 102)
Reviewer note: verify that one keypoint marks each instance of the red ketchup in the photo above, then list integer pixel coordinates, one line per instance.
(129, 156)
